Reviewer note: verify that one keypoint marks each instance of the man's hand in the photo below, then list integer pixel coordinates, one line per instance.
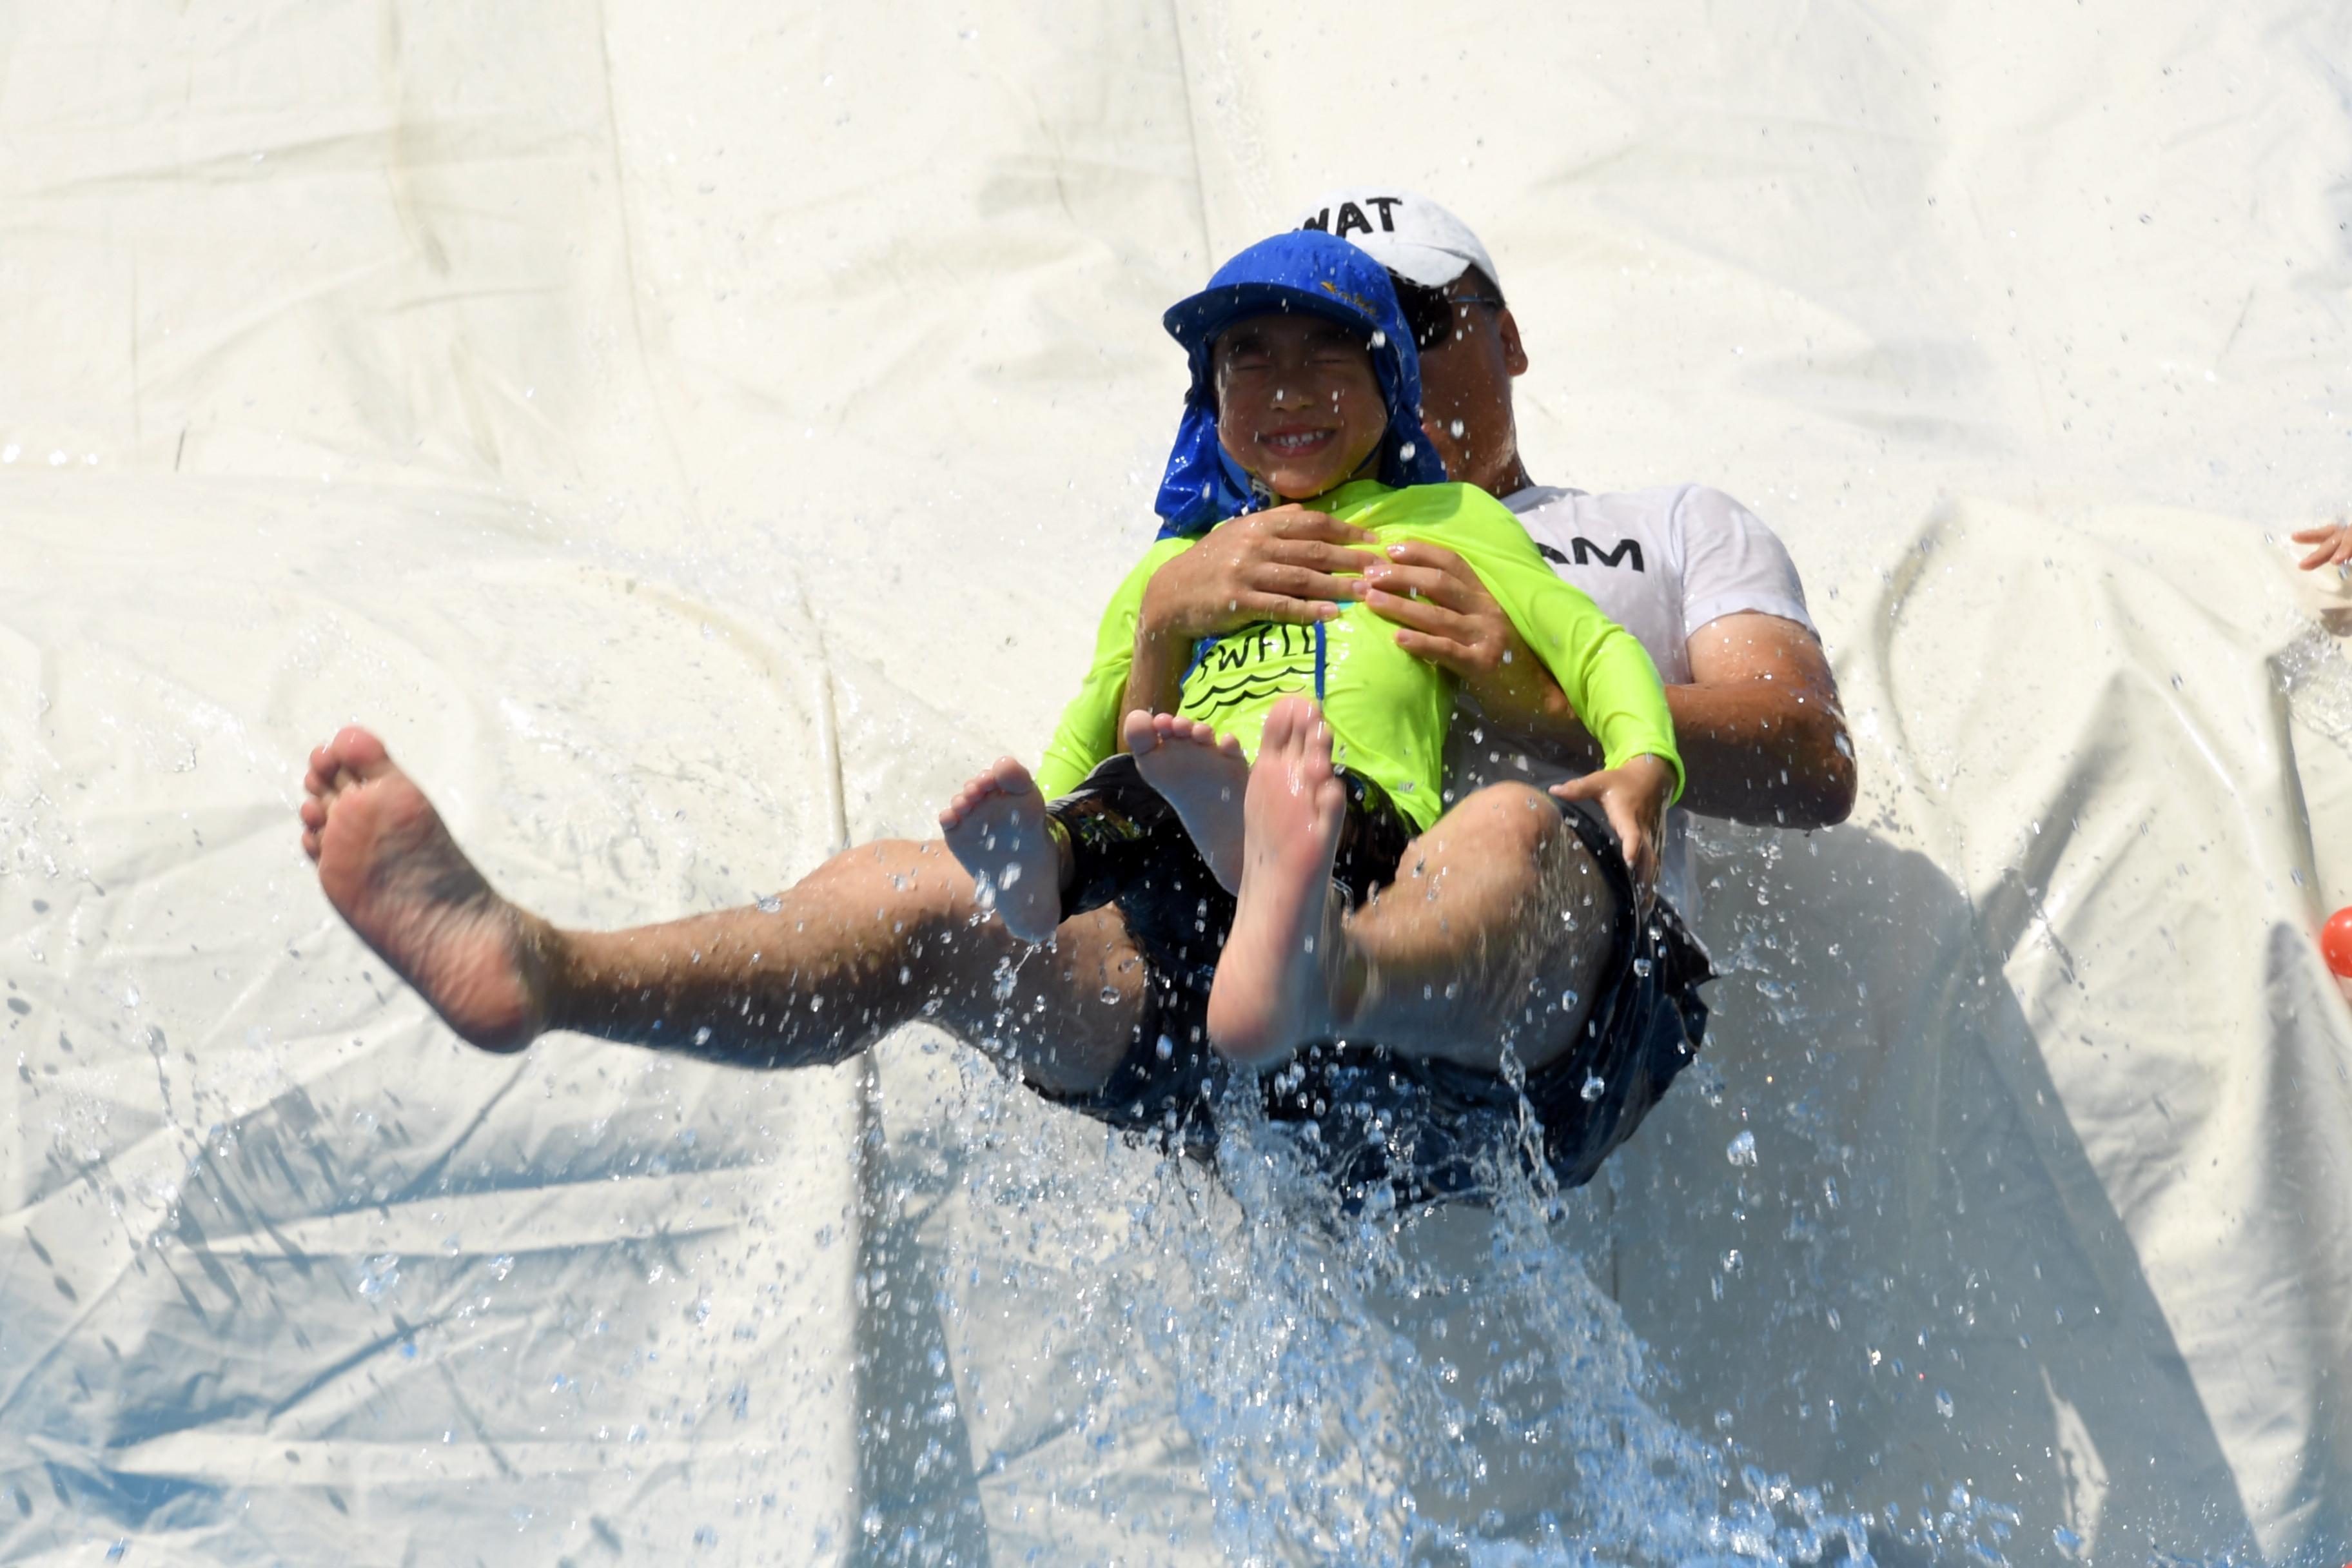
(1280, 564)
(2335, 542)
(1633, 796)
(1446, 616)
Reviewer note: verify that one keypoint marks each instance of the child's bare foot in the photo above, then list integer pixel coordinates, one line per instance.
(1203, 777)
(391, 868)
(996, 827)
(1271, 993)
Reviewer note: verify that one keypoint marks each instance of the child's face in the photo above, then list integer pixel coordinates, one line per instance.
(1298, 404)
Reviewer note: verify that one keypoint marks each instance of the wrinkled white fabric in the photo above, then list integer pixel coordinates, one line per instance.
(692, 434)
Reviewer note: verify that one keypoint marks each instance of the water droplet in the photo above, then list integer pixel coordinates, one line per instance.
(1380, 339)
(1732, 1262)
(705, 1536)
(1593, 1087)
(502, 1265)
(1407, 451)
(1165, 1049)
(1741, 1150)
(1944, 1404)
(1455, 429)
(2176, 683)
(769, 904)
(379, 1274)
(130, 997)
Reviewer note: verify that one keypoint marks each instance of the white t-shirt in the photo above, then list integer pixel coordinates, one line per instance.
(1662, 563)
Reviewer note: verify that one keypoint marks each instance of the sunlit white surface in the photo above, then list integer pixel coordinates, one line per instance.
(690, 434)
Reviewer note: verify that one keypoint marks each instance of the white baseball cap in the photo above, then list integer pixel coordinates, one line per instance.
(1409, 235)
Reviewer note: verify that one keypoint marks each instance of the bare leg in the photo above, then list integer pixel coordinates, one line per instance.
(879, 936)
(1494, 935)
(995, 826)
(391, 868)
(1273, 985)
(1492, 939)
(1202, 777)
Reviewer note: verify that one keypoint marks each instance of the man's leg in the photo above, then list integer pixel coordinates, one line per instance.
(1494, 935)
(879, 936)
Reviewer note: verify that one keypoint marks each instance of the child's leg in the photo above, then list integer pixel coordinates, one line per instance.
(1493, 938)
(1203, 777)
(1274, 984)
(995, 826)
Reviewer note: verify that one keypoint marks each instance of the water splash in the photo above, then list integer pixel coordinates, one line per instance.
(1369, 1384)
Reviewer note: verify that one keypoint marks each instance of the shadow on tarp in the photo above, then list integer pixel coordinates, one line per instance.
(1913, 1286)
(1917, 1297)
(454, 1303)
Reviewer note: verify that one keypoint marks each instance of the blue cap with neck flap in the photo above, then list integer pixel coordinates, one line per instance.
(1306, 272)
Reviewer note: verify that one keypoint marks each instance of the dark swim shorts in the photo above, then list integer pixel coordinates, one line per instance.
(1373, 1118)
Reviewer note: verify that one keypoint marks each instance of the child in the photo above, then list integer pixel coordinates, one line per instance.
(1305, 389)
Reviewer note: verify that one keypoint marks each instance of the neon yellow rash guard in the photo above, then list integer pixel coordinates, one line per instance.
(1388, 709)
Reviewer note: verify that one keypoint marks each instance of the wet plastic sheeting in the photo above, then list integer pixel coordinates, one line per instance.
(284, 1261)
(694, 434)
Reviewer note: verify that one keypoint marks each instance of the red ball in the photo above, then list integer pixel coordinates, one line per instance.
(2335, 943)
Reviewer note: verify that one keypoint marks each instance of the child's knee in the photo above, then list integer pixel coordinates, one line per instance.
(1515, 820)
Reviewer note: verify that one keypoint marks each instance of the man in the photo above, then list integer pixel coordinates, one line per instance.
(1701, 581)
(890, 933)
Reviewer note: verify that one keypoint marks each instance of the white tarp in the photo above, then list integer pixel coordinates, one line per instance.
(695, 434)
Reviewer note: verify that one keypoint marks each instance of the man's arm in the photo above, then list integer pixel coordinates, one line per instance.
(1760, 727)
(1761, 734)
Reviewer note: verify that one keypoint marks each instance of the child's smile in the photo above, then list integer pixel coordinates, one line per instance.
(1300, 441)
(1298, 406)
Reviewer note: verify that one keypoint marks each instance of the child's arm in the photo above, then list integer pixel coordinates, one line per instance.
(1089, 732)
(1602, 671)
(1608, 679)
(1601, 667)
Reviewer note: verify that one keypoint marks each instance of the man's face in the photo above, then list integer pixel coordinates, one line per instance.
(1466, 387)
(1297, 404)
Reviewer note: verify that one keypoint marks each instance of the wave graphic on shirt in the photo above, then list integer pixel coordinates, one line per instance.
(1254, 665)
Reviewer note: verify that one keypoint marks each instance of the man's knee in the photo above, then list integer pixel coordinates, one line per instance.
(900, 880)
